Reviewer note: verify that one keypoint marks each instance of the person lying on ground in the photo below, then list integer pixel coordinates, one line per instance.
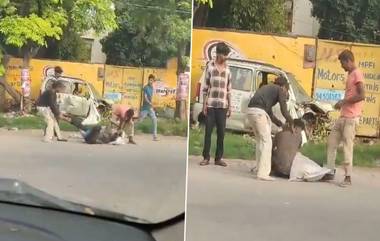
(48, 108)
(286, 144)
(96, 134)
(122, 116)
(100, 135)
(288, 162)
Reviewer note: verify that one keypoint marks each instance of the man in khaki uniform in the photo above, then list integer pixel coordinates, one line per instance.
(344, 129)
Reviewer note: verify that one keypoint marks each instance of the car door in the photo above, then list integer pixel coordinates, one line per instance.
(74, 104)
(242, 91)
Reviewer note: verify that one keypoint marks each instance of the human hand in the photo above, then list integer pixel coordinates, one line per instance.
(205, 110)
(228, 112)
(339, 105)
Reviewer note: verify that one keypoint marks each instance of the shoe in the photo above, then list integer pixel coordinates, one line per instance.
(220, 163)
(253, 170)
(62, 139)
(131, 141)
(268, 178)
(346, 182)
(155, 138)
(204, 162)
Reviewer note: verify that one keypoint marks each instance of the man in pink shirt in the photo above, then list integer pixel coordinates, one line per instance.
(123, 116)
(351, 107)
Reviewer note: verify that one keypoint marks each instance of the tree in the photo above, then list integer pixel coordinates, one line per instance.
(258, 15)
(4, 8)
(28, 25)
(348, 20)
(252, 15)
(150, 32)
(200, 11)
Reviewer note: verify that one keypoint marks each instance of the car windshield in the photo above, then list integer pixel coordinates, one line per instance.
(95, 92)
(299, 91)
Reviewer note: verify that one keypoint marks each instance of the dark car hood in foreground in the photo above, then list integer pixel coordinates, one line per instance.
(26, 223)
(14, 191)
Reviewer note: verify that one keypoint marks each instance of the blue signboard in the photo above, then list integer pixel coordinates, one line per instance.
(328, 95)
(113, 96)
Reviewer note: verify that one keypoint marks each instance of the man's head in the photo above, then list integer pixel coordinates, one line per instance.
(58, 71)
(129, 114)
(222, 52)
(282, 82)
(299, 125)
(347, 60)
(151, 79)
(58, 86)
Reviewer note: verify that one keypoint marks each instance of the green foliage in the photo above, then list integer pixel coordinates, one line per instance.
(209, 2)
(252, 15)
(93, 14)
(235, 146)
(242, 147)
(31, 24)
(4, 8)
(166, 127)
(73, 47)
(21, 30)
(149, 32)
(258, 15)
(348, 20)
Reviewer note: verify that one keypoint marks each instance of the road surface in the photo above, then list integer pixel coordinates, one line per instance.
(145, 181)
(228, 204)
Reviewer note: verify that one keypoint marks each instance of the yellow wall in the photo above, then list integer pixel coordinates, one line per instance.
(166, 84)
(284, 52)
(126, 81)
(330, 79)
(88, 72)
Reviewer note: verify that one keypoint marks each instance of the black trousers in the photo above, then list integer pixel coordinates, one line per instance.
(215, 117)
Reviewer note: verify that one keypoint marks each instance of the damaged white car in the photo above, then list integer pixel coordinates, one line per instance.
(247, 76)
(80, 99)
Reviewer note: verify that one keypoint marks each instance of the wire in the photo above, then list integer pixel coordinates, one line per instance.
(158, 8)
(326, 28)
(286, 47)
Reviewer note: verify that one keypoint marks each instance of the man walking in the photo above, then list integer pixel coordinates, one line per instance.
(216, 103)
(351, 107)
(260, 116)
(147, 108)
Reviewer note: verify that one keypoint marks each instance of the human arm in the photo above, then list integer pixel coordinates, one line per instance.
(283, 106)
(229, 88)
(359, 96)
(206, 90)
(53, 105)
(275, 120)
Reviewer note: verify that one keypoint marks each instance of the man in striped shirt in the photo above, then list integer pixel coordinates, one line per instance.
(216, 103)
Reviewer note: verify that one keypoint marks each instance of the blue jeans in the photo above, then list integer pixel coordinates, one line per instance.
(152, 115)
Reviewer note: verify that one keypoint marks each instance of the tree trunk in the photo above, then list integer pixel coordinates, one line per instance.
(5, 87)
(200, 15)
